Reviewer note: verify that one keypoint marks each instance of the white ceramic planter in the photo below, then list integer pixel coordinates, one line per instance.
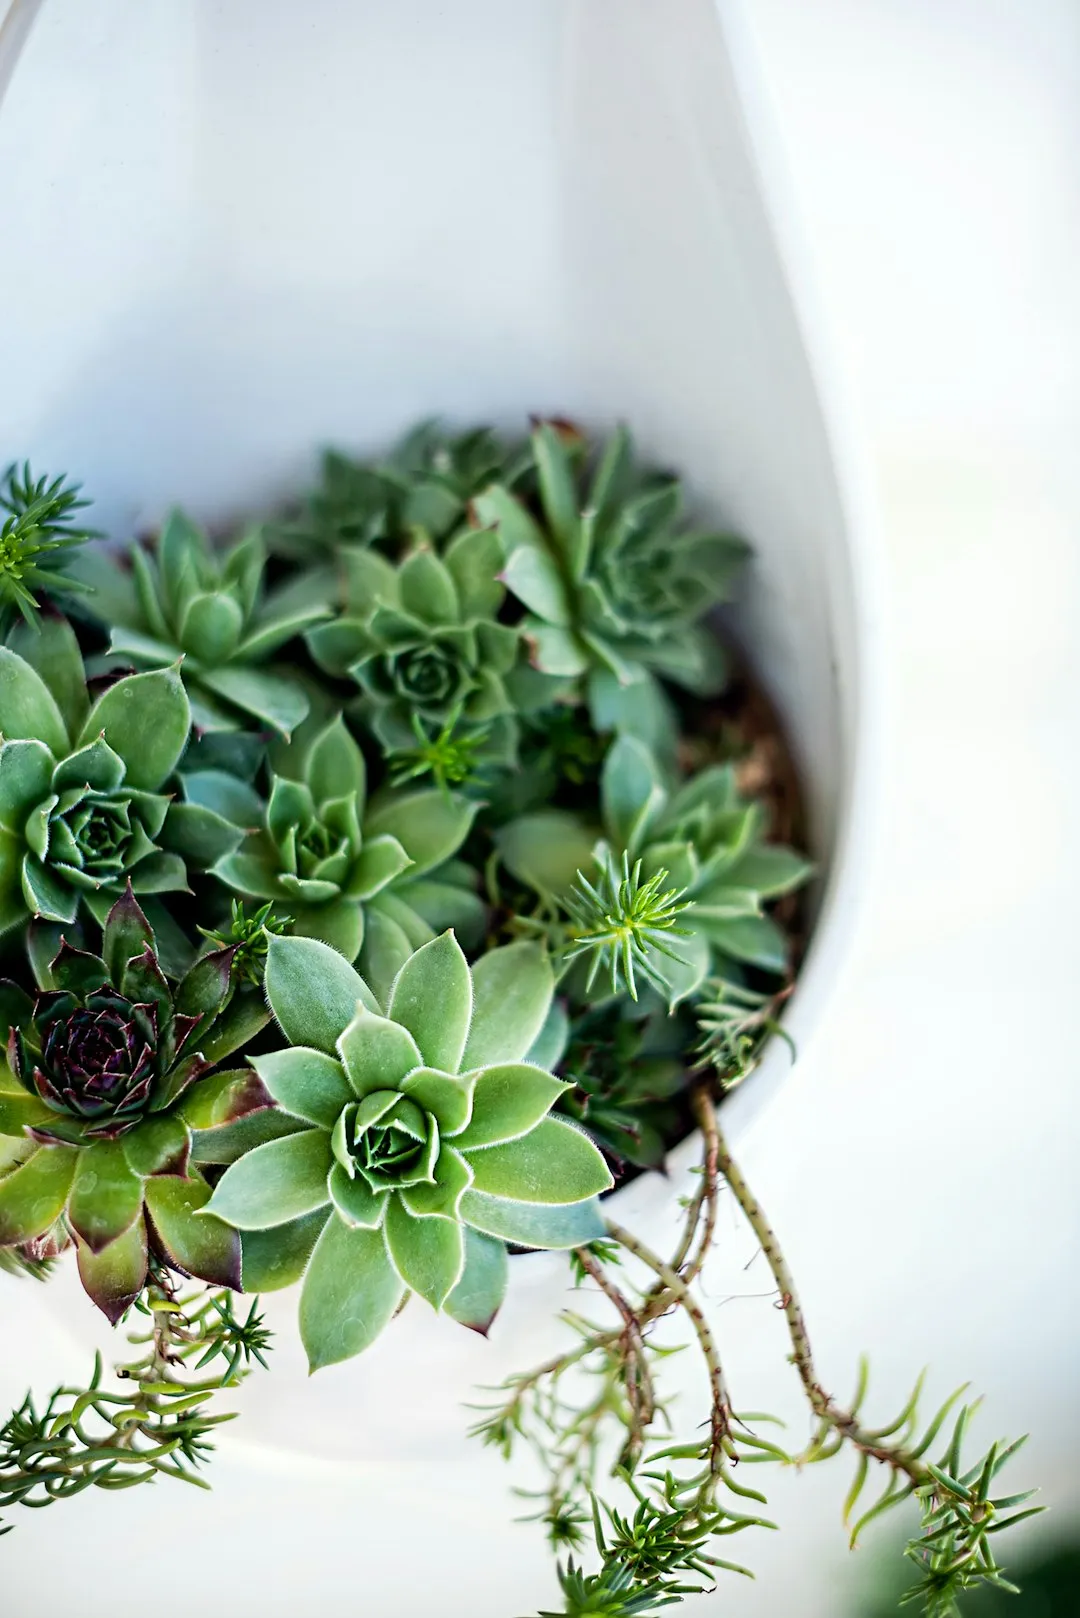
(247, 227)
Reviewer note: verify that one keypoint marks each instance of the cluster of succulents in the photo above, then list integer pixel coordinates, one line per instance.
(355, 905)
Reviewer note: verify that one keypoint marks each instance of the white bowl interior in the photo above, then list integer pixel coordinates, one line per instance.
(247, 229)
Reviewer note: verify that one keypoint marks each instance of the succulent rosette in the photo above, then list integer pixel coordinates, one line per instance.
(614, 581)
(82, 812)
(368, 878)
(426, 1141)
(424, 485)
(422, 640)
(106, 1077)
(211, 609)
(703, 835)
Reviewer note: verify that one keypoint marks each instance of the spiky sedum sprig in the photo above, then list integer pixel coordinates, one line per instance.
(451, 756)
(621, 923)
(110, 1438)
(733, 1024)
(248, 937)
(38, 528)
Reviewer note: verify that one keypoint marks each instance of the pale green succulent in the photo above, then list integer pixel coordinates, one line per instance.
(614, 581)
(371, 879)
(82, 811)
(210, 608)
(426, 1142)
(702, 839)
(422, 640)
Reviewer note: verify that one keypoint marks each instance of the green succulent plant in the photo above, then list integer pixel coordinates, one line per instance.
(708, 842)
(372, 879)
(428, 1141)
(38, 528)
(613, 581)
(104, 1081)
(81, 807)
(424, 484)
(422, 641)
(210, 608)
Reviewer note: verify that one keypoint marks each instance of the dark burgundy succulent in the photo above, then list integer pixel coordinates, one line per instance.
(98, 1058)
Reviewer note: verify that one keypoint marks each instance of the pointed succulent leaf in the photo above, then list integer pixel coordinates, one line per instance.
(534, 1224)
(210, 627)
(193, 1240)
(181, 555)
(548, 1047)
(224, 1096)
(336, 922)
(426, 589)
(33, 1196)
(106, 1196)
(306, 1082)
(380, 860)
(277, 1258)
(631, 791)
(95, 765)
(449, 1099)
(533, 576)
(200, 836)
(276, 1182)
(430, 826)
(44, 894)
(205, 987)
(237, 1026)
(554, 1163)
(114, 1276)
(555, 650)
(313, 991)
(481, 1288)
(432, 998)
(376, 1053)
(234, 800)
(509, 1100)
(157, 1146)
(350, 1293)
(127, 933)
(273, 698)
(26, 770)
(335, 765)
(770, 869)
(290, 805)
(145, 718)
(20, 1112)
(474, 559)
(28, 708)
(558, 488)
(443, 1195)
(356, 1203)
(227, 1143)
(512, 990)
(547, 849)
(385, 949)
(756, 940)
(427, 1253)
(50, 647)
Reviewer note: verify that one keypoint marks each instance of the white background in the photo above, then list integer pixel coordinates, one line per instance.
(922, 1168)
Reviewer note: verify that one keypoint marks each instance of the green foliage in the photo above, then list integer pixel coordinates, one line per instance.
(627, 1073)
(247, 937)
(423, 640)
(623, 923)
(324, 856)
(156, 1422)
(107, 1080)
(613, 581)
(184, 601)
(39, 528)
(82, 813)
(427, 1138)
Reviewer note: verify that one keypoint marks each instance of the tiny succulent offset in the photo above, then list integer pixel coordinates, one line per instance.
(380, 886)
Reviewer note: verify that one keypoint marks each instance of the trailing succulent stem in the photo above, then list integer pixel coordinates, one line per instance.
(601, 1406)
(153, 1419)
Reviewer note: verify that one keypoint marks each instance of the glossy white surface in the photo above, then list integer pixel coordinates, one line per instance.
(929, 1208)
